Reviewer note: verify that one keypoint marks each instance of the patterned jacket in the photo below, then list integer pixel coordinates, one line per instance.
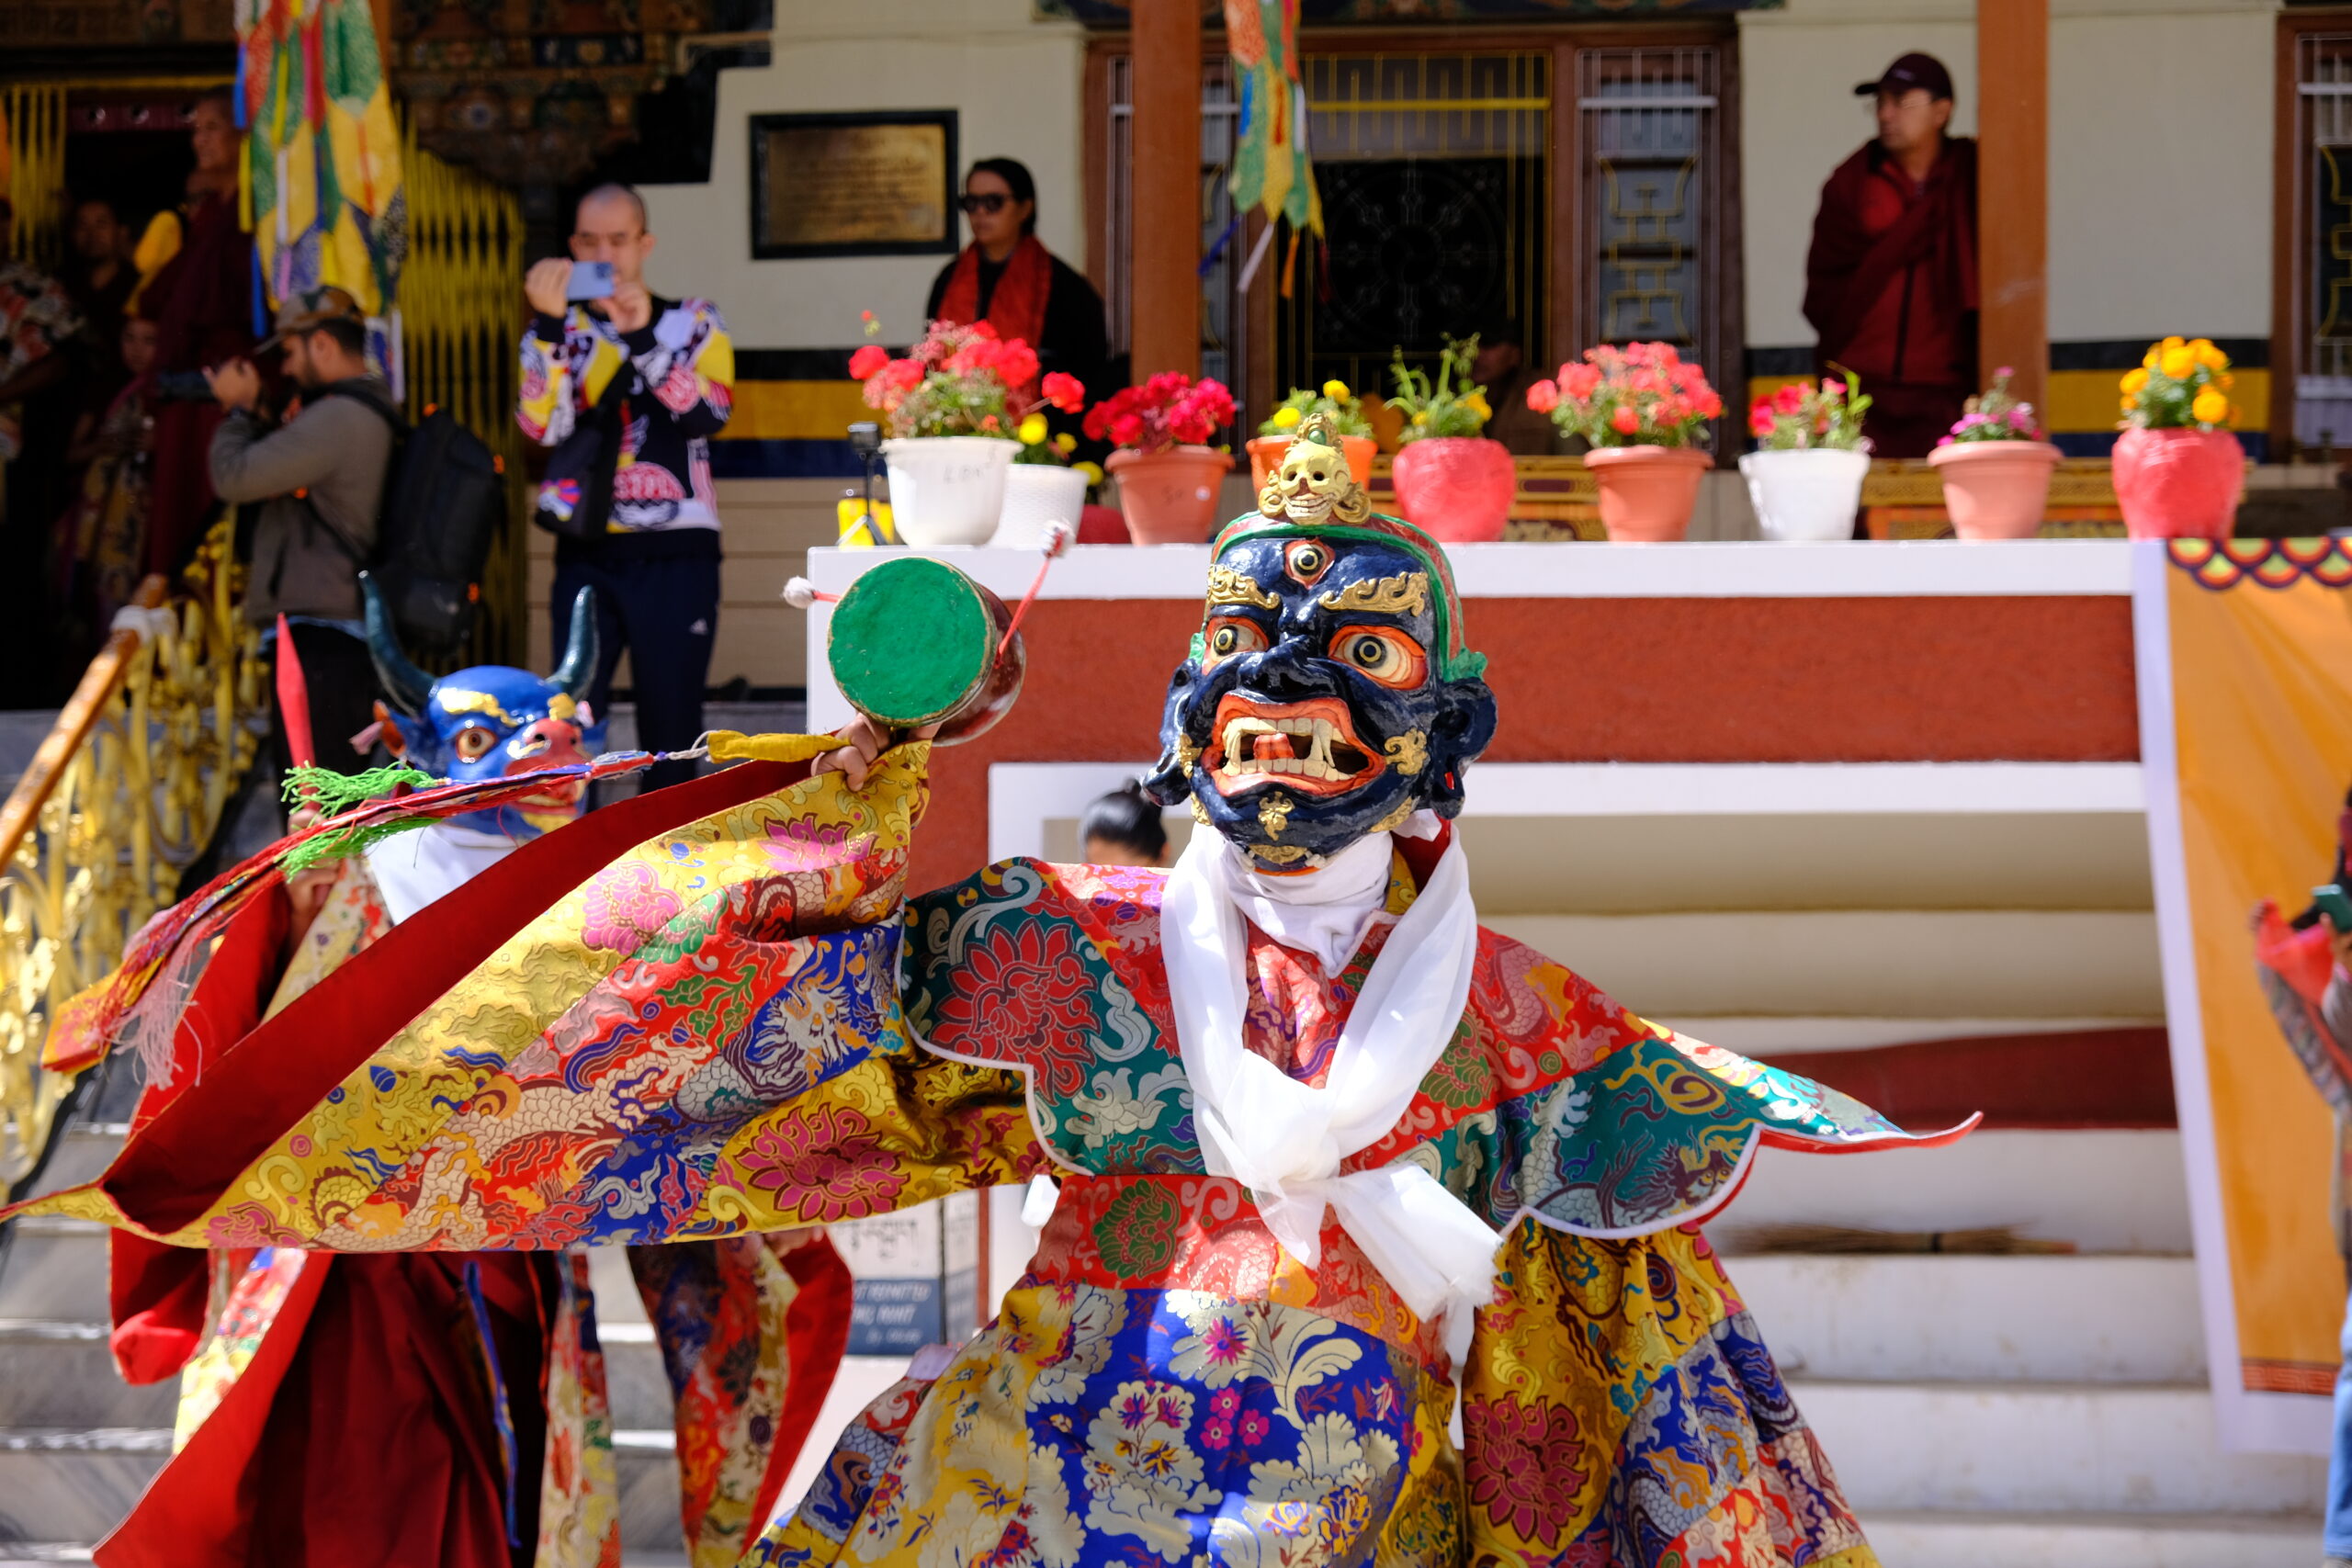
(680, 392)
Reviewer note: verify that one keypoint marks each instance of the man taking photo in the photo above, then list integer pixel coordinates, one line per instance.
(1891, 280)
(320, 476)
(659, 376)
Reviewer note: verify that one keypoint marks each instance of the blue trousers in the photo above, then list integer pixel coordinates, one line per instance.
(664, 611)
(2336, 1539)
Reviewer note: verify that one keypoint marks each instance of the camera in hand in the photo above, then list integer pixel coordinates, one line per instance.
(183, 386)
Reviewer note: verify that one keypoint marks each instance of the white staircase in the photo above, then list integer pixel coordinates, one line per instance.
(2025, 1411)
(77, 1445)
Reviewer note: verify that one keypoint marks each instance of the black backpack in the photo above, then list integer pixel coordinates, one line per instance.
(445, 502)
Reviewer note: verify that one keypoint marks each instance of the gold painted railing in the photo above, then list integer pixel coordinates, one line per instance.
(121, 796)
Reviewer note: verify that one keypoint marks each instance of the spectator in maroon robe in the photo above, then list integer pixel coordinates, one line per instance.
(202, 300)
(1891, 280)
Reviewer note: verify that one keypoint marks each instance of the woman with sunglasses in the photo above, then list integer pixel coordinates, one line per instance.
(1007, 279)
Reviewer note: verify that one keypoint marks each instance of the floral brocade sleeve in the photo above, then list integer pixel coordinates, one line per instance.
(701, 1039)
(1619, 1407)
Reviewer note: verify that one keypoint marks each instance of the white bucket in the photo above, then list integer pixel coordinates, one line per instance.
(1805, 494)
(1034, 495)
(947, 490)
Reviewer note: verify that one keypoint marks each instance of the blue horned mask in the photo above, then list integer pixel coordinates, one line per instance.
(492, 720)
(1329, 693)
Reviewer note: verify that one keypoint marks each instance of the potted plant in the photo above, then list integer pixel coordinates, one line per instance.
(1346, 412)
(1168, 473)
(1643, 411)
(1452, 482)
(950, 429)
(1805, 476)
(1995, 466)
(1041, 488)
(2178, 472)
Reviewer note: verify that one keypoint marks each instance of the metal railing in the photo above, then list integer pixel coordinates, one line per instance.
(122, 797)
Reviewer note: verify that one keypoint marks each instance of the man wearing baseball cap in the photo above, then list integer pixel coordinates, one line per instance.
(1891, 279)
(319, 478)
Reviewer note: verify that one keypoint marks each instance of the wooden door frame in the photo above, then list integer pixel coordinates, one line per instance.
(2286, 250)
(1563, 41)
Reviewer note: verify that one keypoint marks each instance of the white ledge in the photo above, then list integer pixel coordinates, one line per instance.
(1920, 569)
(1025, 796)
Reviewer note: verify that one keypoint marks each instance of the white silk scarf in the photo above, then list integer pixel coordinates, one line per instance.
(1284, 1139)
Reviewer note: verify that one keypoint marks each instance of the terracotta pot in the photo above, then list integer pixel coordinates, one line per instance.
(1457, 489)
(2178, 484)
(1647, 493)
(1170, 497)
(1266, 455)
(1995, 490)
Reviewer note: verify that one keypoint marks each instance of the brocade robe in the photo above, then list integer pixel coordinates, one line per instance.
(739, 1025)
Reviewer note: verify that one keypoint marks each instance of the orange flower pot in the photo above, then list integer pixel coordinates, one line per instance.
(2178, 484)
(1647, 493)
(1457, 489)
(1995, 490)
(1266, 455)
(1170, 497)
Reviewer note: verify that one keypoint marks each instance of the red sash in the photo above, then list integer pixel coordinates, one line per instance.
(1017, 309)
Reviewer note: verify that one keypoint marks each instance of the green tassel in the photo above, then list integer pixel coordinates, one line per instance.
(332, 792)
(338, 844)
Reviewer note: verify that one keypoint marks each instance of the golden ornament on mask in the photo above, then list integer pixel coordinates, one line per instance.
(562, 706)
(1408, 752)
(1406, 594)
(1280, 854)
(1395, 819)
(1312, 483)
(1200, 812)
(1228, 586)
(1273, 815)
(455, 700)
(1187, 753)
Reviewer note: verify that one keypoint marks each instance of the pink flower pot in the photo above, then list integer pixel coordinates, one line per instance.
(1457, 489)
(1266, 455)
(1647, 493)
(1170, 497)
(2178, 484)
(1995, 490)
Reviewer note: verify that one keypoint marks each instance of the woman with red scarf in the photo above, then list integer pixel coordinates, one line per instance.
(1007, 279)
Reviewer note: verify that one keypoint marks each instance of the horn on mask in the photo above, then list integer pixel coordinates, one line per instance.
(578, 670)
(403, 682)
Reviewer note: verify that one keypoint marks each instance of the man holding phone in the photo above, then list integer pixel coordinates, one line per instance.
(602, 350)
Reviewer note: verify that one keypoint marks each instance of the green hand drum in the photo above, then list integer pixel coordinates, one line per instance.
(913, 642)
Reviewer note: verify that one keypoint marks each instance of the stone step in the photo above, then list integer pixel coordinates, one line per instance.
(54, 1271)
(70, 1486)
(62, 1375)
(2098, 1318)
(83, 1155)
(2094, 1540)
(2108, 1190)
(2055, 1449)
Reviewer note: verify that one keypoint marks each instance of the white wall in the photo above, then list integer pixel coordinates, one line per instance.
(2160, 152)
(1017, 84)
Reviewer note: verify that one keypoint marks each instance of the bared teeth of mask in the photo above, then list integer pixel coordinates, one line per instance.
(1320, 757)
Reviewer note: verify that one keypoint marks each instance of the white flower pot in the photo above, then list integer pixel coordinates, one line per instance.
(1805, 494)
(1034, 495)
(947, 490)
